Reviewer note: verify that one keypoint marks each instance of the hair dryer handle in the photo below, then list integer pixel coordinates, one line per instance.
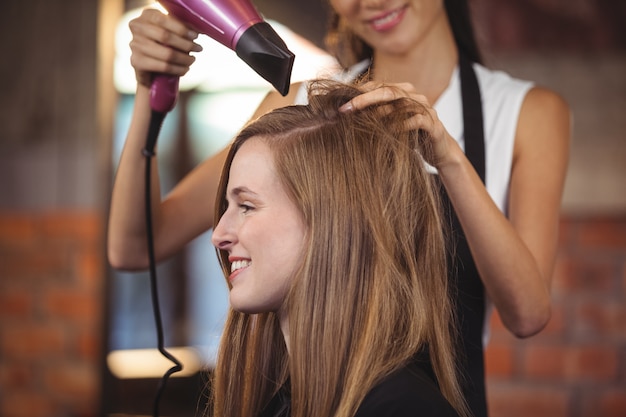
(163, 92)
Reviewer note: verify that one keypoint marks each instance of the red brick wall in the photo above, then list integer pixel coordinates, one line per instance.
(51, 293)
(51, 298)
(577, 366)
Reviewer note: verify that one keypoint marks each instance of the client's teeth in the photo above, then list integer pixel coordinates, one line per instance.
(236, 265)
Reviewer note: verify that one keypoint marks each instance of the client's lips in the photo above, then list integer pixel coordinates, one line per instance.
(238, 265)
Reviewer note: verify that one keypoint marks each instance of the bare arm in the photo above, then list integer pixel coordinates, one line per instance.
(515, 257)
(161, 44)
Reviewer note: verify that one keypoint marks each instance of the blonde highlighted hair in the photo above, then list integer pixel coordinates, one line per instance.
(372, 289)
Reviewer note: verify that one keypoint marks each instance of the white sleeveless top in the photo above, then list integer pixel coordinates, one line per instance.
(502, 98)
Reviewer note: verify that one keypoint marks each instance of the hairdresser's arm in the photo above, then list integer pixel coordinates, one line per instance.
(515, 257)
(161, 44)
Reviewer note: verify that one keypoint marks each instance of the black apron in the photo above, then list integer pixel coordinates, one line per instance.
(468, 292)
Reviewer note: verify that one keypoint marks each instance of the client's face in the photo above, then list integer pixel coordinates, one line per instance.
(261, 230)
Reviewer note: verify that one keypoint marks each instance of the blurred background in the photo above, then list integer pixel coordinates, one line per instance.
(74, 333)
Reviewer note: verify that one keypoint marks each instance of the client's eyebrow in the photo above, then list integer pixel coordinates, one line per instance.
(237, 191)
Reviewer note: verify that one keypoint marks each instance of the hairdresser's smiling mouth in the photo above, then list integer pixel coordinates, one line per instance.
(388, 20)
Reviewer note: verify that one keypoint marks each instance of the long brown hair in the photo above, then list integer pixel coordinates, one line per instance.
(372, 288)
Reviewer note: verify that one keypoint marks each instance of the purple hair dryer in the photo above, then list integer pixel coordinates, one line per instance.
(237, 25)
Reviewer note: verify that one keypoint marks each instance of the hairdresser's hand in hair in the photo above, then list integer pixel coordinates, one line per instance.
(160, 44)
(425, 117)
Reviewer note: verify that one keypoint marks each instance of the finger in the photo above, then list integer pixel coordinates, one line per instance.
(142, 46)
(420, 121)
(151, 65)
(168, 22)
(159, 59)
(376, 92)
(154, 26)
(404, 87)
(158, 35)
(377, 95)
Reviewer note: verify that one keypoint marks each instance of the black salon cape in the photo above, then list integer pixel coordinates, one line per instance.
(408, 392)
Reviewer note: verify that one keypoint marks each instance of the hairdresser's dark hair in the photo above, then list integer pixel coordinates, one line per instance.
(350, 49)
(460, 19)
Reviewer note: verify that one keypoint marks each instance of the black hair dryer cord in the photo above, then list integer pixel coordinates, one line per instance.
(156, 120)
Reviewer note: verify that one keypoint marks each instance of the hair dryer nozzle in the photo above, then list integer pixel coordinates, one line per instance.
(266, 53)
